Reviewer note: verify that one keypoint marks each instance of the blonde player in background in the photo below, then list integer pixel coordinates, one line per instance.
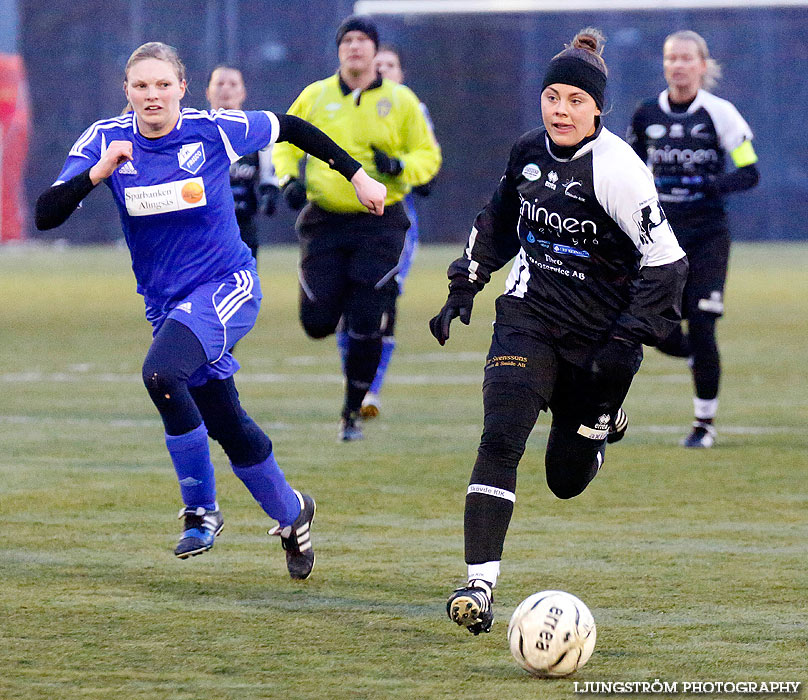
(686, 135)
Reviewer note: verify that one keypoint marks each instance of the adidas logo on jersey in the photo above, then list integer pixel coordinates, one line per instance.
(127, 169)
(185, 306)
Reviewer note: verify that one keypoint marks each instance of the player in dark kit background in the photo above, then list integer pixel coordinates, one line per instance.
(252, 177)
(685, 135)
(598, 273)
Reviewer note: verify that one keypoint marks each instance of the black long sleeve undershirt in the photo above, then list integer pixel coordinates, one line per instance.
(310, 139)
(655, 308)
(744, 178)
(57, 203)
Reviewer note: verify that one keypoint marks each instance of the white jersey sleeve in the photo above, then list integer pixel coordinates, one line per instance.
(730, 126)
(624, 187)
(90, 146)
(246, 132)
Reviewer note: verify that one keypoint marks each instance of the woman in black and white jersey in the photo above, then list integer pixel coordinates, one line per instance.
(598, 273)
(685, 135)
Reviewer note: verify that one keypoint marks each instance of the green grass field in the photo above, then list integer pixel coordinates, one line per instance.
(695, 564)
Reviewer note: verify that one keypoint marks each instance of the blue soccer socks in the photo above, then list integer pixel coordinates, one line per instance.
(267, 484)
(388, 345)
(190, 454)
(342, 347)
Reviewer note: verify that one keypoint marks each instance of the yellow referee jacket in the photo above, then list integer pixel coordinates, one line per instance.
(385, 115)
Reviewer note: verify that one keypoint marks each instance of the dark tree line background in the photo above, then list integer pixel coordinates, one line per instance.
(480, 75)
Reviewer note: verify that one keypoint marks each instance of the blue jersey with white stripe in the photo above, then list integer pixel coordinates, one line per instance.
(174, 196)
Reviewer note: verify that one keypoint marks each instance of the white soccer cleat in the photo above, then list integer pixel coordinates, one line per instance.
(371, 406)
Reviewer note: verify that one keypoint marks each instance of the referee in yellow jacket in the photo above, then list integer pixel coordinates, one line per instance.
(349, 258)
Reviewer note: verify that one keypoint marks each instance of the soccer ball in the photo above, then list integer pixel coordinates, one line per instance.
(551, 634)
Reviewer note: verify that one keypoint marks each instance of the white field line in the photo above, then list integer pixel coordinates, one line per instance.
(243, 377)
(279, 425)
(422, 358)
(280, 378)
(85, 374)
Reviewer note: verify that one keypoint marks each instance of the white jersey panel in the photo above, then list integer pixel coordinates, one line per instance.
(624, 187)
(266, 171)
(242, 132)
(731, 128)
(516, 284)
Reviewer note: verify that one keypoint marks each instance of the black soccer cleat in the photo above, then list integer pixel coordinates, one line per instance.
(296, 540)
(199, 532)
(350, 428)
(618, 424)
(701, 437)
(471, 606)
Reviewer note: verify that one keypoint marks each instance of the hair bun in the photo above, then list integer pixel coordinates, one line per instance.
(589, 39)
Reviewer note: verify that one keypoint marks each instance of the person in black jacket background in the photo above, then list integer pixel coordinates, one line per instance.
(252, 177)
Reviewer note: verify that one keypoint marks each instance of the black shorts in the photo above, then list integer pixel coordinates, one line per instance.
(350, 249)
(249, 231)
(531, 360)
(708, 255)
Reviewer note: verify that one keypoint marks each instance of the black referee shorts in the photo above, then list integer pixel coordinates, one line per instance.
(348, 265)
(249, 232)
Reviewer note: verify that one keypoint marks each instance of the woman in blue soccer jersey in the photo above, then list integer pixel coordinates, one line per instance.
(168, 169)
(685, 135)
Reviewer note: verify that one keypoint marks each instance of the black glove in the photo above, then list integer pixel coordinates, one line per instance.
(267, 198)
(294, 192)
(612, 367)
(386, 164)
(423, 190)
(459, 303)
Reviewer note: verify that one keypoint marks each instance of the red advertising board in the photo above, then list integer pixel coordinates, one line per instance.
(14, 122)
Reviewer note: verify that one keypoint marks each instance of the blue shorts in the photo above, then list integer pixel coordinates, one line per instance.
(219, 314)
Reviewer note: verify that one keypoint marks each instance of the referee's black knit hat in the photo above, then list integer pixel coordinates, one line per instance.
(358, 23)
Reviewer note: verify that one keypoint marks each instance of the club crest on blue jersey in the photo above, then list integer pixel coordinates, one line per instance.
(191, 157)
